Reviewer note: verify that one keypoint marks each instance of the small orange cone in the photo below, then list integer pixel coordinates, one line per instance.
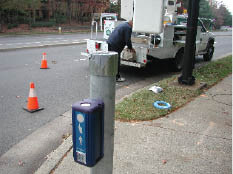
(33, 104)
(44, 62)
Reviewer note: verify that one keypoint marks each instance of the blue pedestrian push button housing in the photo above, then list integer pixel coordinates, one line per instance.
(88, 131)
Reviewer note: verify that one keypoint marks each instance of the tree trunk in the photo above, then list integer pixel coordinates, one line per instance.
(34, 16)
(69, 10)
(48, 10)
(0, 21)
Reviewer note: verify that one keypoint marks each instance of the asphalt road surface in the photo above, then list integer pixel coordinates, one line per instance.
(66, 82)
(28, 41)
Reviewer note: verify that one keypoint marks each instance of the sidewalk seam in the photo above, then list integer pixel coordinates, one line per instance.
(209, 136)
(214, 95)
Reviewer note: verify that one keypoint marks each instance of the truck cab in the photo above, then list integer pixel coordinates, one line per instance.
(207, 39)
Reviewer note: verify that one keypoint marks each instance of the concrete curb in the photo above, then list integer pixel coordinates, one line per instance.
(55, 157)
(23, 157)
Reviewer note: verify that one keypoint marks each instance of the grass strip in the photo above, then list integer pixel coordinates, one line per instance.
(139, 106)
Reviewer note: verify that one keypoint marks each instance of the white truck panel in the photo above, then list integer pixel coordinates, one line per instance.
(148, 16)
(127, 9)
(163, 52)
(141, 54)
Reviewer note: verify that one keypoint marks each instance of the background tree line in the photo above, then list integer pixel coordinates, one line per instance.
(55, 12)
(49, 12)
(217, 12)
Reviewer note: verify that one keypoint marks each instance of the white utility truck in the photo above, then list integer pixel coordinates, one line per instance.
(158, 33)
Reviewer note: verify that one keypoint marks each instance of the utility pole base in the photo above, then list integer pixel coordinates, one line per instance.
(189, 81)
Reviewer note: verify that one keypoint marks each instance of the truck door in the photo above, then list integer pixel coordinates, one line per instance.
(203, 37)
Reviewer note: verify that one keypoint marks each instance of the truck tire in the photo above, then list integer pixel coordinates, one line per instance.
(209, 54)
(178, 62)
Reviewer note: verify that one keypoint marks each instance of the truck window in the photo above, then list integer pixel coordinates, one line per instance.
(181, 21)
(171, 3)
(203, 29)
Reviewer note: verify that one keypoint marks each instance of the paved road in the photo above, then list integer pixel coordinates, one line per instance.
(57, 88)
(28, 41)
(65, 82)
(223, 43)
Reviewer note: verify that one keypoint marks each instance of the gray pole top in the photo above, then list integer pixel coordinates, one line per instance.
(103, 64)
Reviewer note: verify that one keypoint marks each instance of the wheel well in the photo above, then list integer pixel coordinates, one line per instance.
(211, 41)
(180, 50)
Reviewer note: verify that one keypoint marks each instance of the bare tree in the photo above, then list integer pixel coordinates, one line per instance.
(69, 10)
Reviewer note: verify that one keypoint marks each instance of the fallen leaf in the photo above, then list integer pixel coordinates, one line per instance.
(227, 113)
(178, 123)
(21, 163)
(65, 136)
(164, 161)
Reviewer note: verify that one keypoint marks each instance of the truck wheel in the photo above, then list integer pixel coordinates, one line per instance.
(178, 62)
(209, 54)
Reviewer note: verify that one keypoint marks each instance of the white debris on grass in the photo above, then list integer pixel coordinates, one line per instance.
(156, 89)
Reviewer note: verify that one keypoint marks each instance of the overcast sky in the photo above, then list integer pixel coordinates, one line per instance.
(228, 4)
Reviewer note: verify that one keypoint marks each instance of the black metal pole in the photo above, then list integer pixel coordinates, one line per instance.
(190, 45)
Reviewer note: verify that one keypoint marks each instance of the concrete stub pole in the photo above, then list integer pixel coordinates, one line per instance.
(103, 70)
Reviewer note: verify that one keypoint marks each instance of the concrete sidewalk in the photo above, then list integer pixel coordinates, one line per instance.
(196, 138)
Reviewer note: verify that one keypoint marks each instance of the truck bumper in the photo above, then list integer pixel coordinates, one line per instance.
(134, 64)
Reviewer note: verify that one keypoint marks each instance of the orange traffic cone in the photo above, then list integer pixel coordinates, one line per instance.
(33, 104)
(44, 62)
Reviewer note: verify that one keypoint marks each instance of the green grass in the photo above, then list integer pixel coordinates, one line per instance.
(214, 71)
(139, 106)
